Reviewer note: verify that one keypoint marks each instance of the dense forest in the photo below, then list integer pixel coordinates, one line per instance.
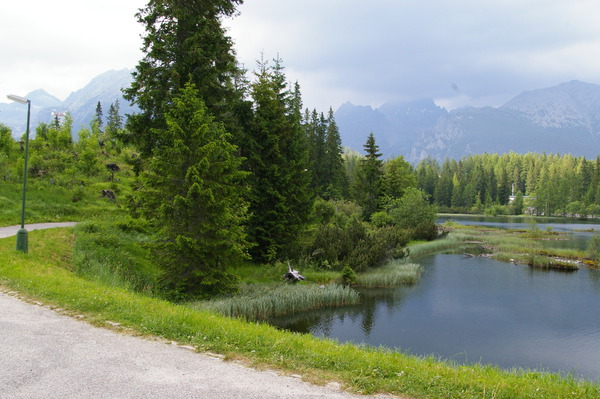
(227, 168)
(538, 184)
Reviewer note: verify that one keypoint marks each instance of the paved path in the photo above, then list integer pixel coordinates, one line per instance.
(46, 355)
(12, 230)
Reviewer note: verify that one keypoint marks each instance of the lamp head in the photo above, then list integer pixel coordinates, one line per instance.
(18, 99)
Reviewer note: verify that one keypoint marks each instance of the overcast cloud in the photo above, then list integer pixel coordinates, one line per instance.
(469, 52)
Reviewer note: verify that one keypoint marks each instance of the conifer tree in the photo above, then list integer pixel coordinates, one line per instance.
(114, 121)
(369, 187)
(337, 184)
(276, 154)
(193, 191)
(99, 115)
(316, 132)
(184, 41)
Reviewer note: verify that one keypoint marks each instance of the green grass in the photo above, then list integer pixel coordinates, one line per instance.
(53, 203)
(45, 274)
(258, 302)
(114, 253)
(394, 274)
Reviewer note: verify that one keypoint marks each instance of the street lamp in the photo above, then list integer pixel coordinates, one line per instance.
(22, 244)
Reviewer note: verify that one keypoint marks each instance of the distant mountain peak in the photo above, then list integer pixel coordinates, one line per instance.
(81, 104)
(564, 118)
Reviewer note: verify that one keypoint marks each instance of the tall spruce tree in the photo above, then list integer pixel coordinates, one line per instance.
(369, 187)
(184, 41)
(193, 190)
(316, 132)
(99, 115)
(276, 154)
(337, 183)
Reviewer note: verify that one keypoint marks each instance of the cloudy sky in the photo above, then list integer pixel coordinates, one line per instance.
(462, 52)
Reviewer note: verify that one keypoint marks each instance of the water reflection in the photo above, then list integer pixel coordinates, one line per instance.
(477, 310)
(364, 315)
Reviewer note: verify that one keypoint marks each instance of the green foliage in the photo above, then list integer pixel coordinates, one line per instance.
(183, 42)
(87, 149)
(277, 157)
(326, 165)
(518, 204)
(7, 144)
(369, 185)
(193, 190)
(594, 247)
(413, 211)
(398, 177)
(380, 219)
(545, 184)
(348, 276)
(350, 243)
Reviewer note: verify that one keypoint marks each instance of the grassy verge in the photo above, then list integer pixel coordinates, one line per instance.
(45, 274)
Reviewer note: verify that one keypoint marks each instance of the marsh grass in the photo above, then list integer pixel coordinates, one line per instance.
(394, 274)
(44, 275)
(258, 302)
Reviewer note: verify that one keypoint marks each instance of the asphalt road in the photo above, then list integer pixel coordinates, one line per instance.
(12, 230)
(46, 355)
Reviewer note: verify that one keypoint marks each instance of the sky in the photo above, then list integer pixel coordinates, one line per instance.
(459, 53)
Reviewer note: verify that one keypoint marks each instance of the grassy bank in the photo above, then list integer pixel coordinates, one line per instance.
(46, 274)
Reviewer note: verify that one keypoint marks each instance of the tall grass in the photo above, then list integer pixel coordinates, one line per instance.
(394, 274)
(114, 254)
(258, 302)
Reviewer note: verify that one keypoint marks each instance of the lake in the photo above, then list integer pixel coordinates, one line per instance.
(469, 310)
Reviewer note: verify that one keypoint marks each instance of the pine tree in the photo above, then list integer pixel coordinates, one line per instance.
(184, 41)
(99, 115)
(114, 122)
(337, 183)
(316, 133)
(193, 191)
(277, 158)
(369, 187)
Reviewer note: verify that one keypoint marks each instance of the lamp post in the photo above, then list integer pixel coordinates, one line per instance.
(22, 242)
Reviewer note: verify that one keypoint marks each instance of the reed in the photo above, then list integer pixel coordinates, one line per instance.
(256, 302)
(394, 274)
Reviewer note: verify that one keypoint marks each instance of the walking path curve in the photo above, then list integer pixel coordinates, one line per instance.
(12, 230)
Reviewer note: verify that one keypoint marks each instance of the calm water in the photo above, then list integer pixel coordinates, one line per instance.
(477, 310)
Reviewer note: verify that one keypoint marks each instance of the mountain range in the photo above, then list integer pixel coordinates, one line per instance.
(81, 104)
(561, 119)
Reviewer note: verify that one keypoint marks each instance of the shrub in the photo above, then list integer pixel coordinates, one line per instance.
(348, 276)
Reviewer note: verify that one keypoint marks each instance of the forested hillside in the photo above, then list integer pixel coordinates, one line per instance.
(540, 184)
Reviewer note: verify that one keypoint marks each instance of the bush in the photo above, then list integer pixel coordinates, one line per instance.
(594, 247)
(348, 276)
